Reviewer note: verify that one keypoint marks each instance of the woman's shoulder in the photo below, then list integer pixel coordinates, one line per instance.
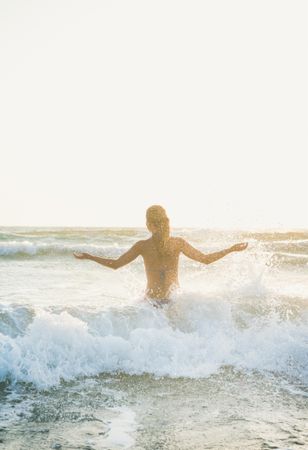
(177, 240)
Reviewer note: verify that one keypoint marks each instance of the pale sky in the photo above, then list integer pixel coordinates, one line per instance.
(107, 107)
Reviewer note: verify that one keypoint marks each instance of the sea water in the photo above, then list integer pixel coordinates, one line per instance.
(86, 362)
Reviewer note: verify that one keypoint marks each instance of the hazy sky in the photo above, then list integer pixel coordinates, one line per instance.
(107, 107)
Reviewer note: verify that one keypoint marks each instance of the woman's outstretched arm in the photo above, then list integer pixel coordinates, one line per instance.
(124, 259)
(196, 255)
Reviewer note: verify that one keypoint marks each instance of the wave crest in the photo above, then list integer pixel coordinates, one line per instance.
(28, 248)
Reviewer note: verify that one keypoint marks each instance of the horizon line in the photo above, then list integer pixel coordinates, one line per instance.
(213, 228)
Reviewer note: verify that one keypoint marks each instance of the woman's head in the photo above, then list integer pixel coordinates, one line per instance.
(156, 217)
(158, 224)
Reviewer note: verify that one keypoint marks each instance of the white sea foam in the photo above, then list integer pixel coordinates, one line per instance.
(194, 336)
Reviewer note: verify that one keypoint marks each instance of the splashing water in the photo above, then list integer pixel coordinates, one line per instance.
(62, 319)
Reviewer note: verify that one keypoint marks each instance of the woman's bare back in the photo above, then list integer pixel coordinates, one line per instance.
(161, 266)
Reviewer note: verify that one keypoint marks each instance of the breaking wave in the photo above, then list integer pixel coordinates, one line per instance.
(193, 336)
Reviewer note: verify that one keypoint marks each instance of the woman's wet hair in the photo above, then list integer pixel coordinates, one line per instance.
(156, 215)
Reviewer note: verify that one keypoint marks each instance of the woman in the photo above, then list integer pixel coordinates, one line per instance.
(160, 254)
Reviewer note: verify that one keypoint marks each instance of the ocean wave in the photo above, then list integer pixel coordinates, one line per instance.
(59, 233)
(27, 248)
(289, 259)
(14, 320)
(299, 247)
(190, 337)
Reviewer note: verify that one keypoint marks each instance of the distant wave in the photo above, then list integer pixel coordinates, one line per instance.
(28, 248)
(8, 233)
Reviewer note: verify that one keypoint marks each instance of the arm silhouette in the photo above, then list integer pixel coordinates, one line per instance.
(124, 259)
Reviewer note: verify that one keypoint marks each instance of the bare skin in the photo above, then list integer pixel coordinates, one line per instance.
(161, 269)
